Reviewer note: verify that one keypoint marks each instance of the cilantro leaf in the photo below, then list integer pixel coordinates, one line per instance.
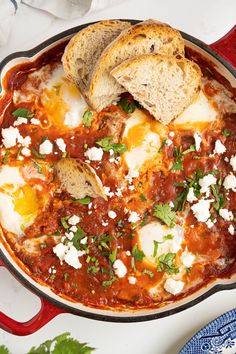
(126, 105)
(64, 222)
(37, 154)
(148, 272)
(23, 112)
(79, 235)
(83, 201)
(87, 118)
(143, 198)
(156, 243)
(6, 156)
(137, 254)
(106, 144)
(163, 144)
(166, 263)
(106, 283)
(165, 214)
(112, 255)
(177, 166)
(226, 133)
(4, 350)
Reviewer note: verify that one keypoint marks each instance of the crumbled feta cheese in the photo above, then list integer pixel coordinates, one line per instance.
(201, 209)
(111, 152)
(35, 121)
(107, 191)
(10, 136)
(104, 223)
(209, 223)
(132, 280)
(173, 287)
(187, 258)
(128, 253)
(132, 174)
(25, 151)
(69, 235)
(119, 268)
(226, 159)
(171, 204)
(60, 251)
(131, 188)
(112, 214)
(206, 182)
(133, 217)
(84, 240)
(219, 147)
(233, 162)
(171, 134)
(73, 220)
(90, 205)
(52, 270)
(191, 196)
(24, 141)
(73, 228)
(118, 192)
(19, 121)
(231, 229)
(45, 148)
(61, 144)
(94, 154)
(72, 257)
(226, 214)
(169, 142)
(198, 140)
(230, 182)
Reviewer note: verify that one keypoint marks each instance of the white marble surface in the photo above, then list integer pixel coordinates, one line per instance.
(205, 19)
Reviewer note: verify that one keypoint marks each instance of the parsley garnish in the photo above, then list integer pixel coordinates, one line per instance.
(92, 270)
(143, 198)
(165, 214)
(126, 105)
(166, 263)
(148, 272)
(144, 221)
(38, 166)
(168, 237)
(83, 201)
(37, 154)
(23, 112)
(64, 222)
(112, 255)
(220, 200)
(107, 283)
(156, 243)
(87, 118)
(163, 144)
(226, 132)
(137, 254)
(107, 144)
(6, 156)
(177, 166)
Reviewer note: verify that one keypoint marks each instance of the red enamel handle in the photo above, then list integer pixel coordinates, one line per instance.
(46, 313)
(226, 46)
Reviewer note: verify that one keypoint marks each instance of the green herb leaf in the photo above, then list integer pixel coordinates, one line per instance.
(64, 222)
(87, 118)
(166, 263)
(107, 283)
(4, 350)
(23, 112)
(38, 166)
(6, 156)
(148, 272)
(143, 198)
(112, 255)
(106, 144)
(18, 153)
(180, 201)
(177, 166)
(92, 270)
(126, 105)
(78, 236)
(37, 154)
(83, 201)
(168, 237)
(156, 243)
(163, 144)
(66, 276)
(165, 214)
(220, 199)
(137, 254)
(190, 149)
(143, 223)
(226, 133)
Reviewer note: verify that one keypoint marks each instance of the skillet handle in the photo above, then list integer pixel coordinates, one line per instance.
(46, 313)
(226, 47)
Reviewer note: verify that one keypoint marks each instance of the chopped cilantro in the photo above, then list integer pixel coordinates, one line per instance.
(126, 105)
(148, 272)
(165, 214)
(177, 166)
(4, 350)
(226, 133)
(143, 223)
(64, 222)
(37, 154)
(87, 118)
(78, 236)
(190, 149)
(83, 201)
(156, 243)
(92, 270)
(107, 144)
(143, 198)
(163, 144)
(181, 200)
(112, 255)
(220, 200)
(18, 153)
(23, 112)
(107, 283)
(6, 156)
(38, 166)
(66, 275)
(168, 237)
(166, 263)
(137, 254)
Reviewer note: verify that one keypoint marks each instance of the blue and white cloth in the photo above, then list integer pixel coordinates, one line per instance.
(64, 9)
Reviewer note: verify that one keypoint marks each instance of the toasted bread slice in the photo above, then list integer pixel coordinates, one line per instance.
(78, 179)
(145, 37)
(85, 47)
(163, 85)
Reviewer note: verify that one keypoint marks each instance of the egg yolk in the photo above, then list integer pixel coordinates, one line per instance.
(26, 202)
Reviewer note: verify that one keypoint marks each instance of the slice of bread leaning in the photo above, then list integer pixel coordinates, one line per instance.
(78, 179)
(84, 49)
(145, 37)
(163, 85)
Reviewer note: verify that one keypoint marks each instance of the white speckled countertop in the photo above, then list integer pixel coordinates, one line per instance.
(206, 19)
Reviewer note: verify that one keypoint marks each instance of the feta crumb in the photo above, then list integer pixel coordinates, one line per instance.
(219, 147)
(133, 217)
(69, 235)
(231, 229)
(90, 205)
(73, 220)
(226, 159)
(45, 148)
(132, 174)
(171, 134)
(61, 144)
(191, 196)
(73, 228)
(84, 240)
(209, 223)
(10, 136)
(171, 204)
(107, 191)
(104, 223)
(60, 251)
(198, 140)
(25, 151)
(230, 182)
(35, 121)
(118, 192)
(94, 154)
(233, 162)
(19, 121)
(226, 214)
(24, 141)
(173, 287)
(201, 209)
(187, 258)
(119, 268)
(169, 142)
(131, 188)
(112, 214)
(128, 253)
(72, 257)
(206, 182)
(132, 280)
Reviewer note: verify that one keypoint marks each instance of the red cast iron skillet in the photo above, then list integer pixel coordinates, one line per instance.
(223, 55)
